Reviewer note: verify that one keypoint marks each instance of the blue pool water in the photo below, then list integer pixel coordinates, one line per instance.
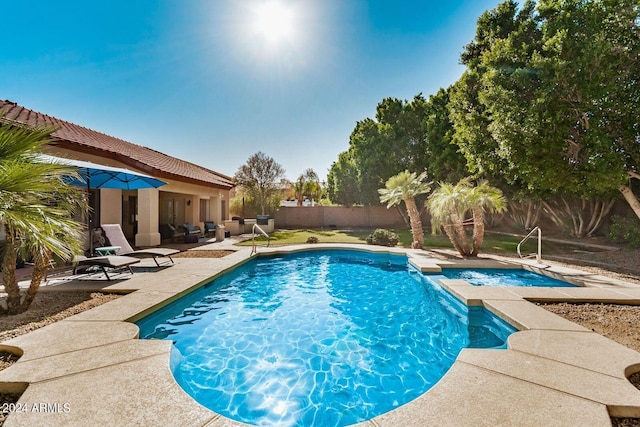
(324, 338)
(501, 277)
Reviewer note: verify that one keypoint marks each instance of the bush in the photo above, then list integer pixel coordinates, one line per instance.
(312, 239)
(382, 237)
(625, 230)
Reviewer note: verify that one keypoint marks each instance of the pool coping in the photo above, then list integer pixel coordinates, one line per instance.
(90, 369)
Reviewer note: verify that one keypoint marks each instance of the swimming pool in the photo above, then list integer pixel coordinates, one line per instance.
(328, 338)
(500, 277)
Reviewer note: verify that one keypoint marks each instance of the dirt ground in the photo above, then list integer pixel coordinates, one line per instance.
(620, 323)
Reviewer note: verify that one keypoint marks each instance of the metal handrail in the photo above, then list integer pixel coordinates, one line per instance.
(253, 238)
(537, 255)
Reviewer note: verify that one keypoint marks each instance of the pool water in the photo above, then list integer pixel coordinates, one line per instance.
(327, 338)
(501, 277)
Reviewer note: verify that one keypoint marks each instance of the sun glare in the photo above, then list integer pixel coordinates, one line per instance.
(274, 22)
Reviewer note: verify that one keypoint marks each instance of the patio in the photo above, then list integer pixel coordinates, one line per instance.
(92, 369)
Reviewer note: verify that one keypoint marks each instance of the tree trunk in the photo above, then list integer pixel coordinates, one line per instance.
(416, 223)
(631, 199)
(403, 215)
(451, 234)
(582, 217)
(600, 211)
(533, 216)
(461, 235)
(555, 217)
(525, 214)
(478, 230)
(40, 265)
(9, 279)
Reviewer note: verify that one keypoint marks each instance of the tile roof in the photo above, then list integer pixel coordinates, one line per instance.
(81, 139)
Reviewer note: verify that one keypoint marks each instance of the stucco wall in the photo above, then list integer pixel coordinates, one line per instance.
(338, 217)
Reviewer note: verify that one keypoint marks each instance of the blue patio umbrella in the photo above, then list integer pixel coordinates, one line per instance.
(95, 176)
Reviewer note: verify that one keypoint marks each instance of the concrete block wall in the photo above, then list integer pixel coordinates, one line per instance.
(338, 217)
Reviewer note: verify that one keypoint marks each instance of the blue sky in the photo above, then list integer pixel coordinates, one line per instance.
(210, 82)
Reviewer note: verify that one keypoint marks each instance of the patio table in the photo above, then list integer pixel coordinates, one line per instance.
(107, 250)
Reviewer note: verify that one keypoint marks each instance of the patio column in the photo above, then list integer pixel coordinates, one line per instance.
(195, 212)
(148, 217)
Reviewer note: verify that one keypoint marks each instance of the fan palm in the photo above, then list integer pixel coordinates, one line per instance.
(36, 209)
(307, 184)
(405, 187)
(450, 203)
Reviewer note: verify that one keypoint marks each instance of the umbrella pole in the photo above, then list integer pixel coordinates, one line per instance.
(89, 215)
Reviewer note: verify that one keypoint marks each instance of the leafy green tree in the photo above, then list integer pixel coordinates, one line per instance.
(439, 154)
(404, 187)
(405, 135)
(470, 115)
(450, 204)
(36, 209)
(343, 184)
(550, 101)
(260, 178)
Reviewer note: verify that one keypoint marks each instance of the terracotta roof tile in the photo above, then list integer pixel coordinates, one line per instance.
(79, 138)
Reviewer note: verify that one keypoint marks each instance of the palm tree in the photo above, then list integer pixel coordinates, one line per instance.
(483, 198)
(36, 209)
(450, 203)
(405, 187)
(448, 206)
(308, 184)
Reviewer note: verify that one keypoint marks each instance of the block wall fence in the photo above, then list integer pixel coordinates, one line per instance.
(340, 217)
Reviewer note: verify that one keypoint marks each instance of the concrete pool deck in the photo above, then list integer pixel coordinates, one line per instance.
(90, 369)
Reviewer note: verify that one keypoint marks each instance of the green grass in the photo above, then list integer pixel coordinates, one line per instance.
(292, 237)
(493, 243)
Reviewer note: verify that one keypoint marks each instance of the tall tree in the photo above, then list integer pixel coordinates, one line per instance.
(405, 135)
(343, 182)
(36, 209)
(559, 96)
(404, 187)
(260, 177)
(439, 154)
(470, 115)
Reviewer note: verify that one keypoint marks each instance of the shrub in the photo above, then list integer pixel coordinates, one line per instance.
(312, 239)
(382, 237)
(625, 230)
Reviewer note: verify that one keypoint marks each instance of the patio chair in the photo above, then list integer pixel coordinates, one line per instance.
(112, 262)
(114, 234)
(169, 232)
(192, 233)
(210, 228)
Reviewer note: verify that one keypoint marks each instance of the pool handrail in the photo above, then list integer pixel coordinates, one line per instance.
(538, 255)
(253, 238)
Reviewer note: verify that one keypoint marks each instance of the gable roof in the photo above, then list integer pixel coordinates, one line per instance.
(82, 139)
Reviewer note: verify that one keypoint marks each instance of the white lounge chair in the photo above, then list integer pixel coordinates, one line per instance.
(114, 234)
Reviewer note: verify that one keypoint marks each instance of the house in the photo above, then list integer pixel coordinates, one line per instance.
(193, 194)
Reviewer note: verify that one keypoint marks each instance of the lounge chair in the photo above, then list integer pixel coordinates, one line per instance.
(112, 262)
(114, 234)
